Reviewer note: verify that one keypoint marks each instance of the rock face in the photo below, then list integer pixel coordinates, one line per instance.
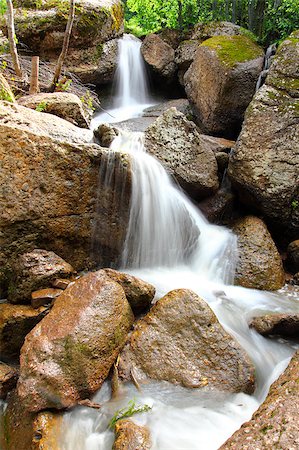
(34, 270)
(8, 379)
(139, 293)
(181, 341)
(220, 82)
(264, 166)
(159, 56)
(129, 436)
(177, 144)
(281, 324)
(50, 174)
(275, 423)
(259, 265)
(16, 321)
(68, 355)
(61, 104)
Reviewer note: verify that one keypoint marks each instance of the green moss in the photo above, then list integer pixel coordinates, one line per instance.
(249, 34)
(233, 50)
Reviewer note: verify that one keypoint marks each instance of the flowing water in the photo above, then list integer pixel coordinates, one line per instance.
(171, 245)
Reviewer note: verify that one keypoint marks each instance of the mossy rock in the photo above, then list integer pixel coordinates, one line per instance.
(233, 50)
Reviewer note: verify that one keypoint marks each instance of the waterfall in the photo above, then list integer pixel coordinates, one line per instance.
(270, 52)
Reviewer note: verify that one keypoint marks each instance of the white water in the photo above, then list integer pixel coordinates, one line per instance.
(171, 245)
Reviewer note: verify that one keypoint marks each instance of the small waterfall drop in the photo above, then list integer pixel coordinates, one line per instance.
(270, 52)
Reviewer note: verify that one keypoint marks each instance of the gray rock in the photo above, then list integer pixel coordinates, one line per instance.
(159, 56)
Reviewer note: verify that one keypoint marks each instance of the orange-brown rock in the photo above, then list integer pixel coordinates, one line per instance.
(44, 296)
(61, 283)
(129, 436)
(8, 379)
(259, 265)
(282, 324)
(139, 293)
(68, 355)
(181, 341)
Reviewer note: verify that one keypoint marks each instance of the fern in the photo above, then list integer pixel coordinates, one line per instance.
(131, 409)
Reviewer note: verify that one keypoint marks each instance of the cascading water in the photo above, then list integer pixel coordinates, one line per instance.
(171, 245)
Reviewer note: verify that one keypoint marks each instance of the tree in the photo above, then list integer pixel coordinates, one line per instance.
(65, 46)
(12, 38)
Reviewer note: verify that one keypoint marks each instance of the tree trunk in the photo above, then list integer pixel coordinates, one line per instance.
(34, 87)
(65, 46)
(180, 15)
(11, 38)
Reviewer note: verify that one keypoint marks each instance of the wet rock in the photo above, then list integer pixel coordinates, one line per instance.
(275, 423)
(129, 436)
(182, 332)
(176, 142)
(219, 208)
(293, 255)
(282, 324)
(35, 270)
(44, 297)
(159, 56)
(5, 90)
(221, 81)
(62, 104)
(139, 293)
(16, 321)
(264, 167)
(60, 283)
(259, 265)
(8, 379)
(105, 134)
(68, 355)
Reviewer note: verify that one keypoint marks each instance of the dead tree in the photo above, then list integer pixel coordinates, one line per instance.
(12, 39)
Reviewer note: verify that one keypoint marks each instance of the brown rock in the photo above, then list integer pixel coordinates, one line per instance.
(203, 31)
(8, 379)
(275, 424)
(69, 354)
(106, 134)
(159, 56)
(34, 270)
(129, 436)
(62, 104)
(184, 56)
(220, 82)
(282, 324)
(16, 321)
(181, 341)
(61, 283)
(293, 255)
(44, 296)
(139, 293)
(176, 142)
(259, 265)
(219, 208)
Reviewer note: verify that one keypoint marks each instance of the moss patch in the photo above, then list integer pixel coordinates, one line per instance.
(233, 50)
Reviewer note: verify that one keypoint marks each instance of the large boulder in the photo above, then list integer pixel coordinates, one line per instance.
(259, 264)
(220, 82)
(53, 194)
(275, 424)
(68, 355)
(159, 56)
(203, 31)
(176, 142)
(129, 436)
(181, 341)
(264, 167)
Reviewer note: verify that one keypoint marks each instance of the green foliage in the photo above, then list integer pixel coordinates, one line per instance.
(128, 412)
(295, 204)
(41, 107)
(3, 7)
(63, 84)
(86, 99)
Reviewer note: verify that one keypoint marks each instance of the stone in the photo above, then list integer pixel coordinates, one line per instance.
(176, 142)
(203, 31)
(293, 255)
(220, 83)
(68, 355)
(219, 208)
(286, 325)
(34, 270)
(129, 436)
(16, 321)
(181, 104)
(139, 293)
(181, 341)
(105, 134)
(44, 297)
(8, 379)
(62, 104)
(5, 90)
(264, 166)
(275, 424)
(61, 283)
(159, 56)
(259, 264)
(184, 56)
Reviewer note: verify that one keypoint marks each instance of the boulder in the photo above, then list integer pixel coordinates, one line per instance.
(293, 255)
(275, 424)
(8, 379)
(203, 31)
(219, 208)
(129, 436)
(184, 56)
(286, 325)
(61, 104)
(44, 297)
(105, 134)
(264, 167)
(181, 341)
(16, 321)
(5, 90)
(53, 193)
(139, 293)
(68, 355)
(34, 270)
(159, 56)
(259, 264)
(176, 142)
(220, 83)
